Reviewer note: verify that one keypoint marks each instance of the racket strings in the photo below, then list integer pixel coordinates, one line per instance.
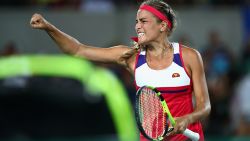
(152, 116)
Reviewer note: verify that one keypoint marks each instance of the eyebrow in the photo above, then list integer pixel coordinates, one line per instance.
(141, 19)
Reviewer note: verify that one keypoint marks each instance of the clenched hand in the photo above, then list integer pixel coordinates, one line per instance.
(38, 22)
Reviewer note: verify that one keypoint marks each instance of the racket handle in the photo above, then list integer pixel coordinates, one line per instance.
(192, 135)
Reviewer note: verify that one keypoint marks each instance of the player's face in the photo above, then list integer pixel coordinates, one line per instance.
(147, 27)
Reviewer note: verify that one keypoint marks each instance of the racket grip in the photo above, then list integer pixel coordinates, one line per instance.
(192, 135)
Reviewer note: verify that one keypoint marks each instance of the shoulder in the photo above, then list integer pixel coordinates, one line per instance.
(120, 50)
(189, 53)
(192, 58)
(127, 57)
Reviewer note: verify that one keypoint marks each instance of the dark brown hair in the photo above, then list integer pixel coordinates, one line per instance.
(165, 9)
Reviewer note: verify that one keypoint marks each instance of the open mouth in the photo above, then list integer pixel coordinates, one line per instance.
(140, 35)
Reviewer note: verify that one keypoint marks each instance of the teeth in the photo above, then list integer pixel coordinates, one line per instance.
(140, 34)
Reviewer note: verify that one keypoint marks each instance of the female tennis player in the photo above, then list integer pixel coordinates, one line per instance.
(174, 69)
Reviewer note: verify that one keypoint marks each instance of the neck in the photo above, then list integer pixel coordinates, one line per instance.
(159, 49)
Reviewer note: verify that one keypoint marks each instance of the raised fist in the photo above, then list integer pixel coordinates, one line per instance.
(38, 22)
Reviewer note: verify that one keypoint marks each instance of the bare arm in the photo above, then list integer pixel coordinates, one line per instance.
(194, 65)
(202, 102)
(72, 46)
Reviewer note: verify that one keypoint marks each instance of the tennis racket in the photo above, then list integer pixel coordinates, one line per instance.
(153, 116)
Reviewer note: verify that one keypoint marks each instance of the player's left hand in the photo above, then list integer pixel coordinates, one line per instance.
(181, 124)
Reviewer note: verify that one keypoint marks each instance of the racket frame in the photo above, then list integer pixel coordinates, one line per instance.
(188, 133)
(165, 111)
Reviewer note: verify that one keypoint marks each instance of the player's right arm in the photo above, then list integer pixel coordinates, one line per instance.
(71, 46)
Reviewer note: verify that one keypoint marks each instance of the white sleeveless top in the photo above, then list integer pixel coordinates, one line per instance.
(174, 75)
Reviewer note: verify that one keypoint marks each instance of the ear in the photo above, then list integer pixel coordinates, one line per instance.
(163, 26)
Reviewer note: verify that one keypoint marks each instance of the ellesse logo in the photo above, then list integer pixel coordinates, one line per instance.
(174, 75)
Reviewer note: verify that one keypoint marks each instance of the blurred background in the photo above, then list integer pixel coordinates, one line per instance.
(46, 95)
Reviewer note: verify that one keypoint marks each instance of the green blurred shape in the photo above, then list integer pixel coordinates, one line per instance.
(98, 81)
